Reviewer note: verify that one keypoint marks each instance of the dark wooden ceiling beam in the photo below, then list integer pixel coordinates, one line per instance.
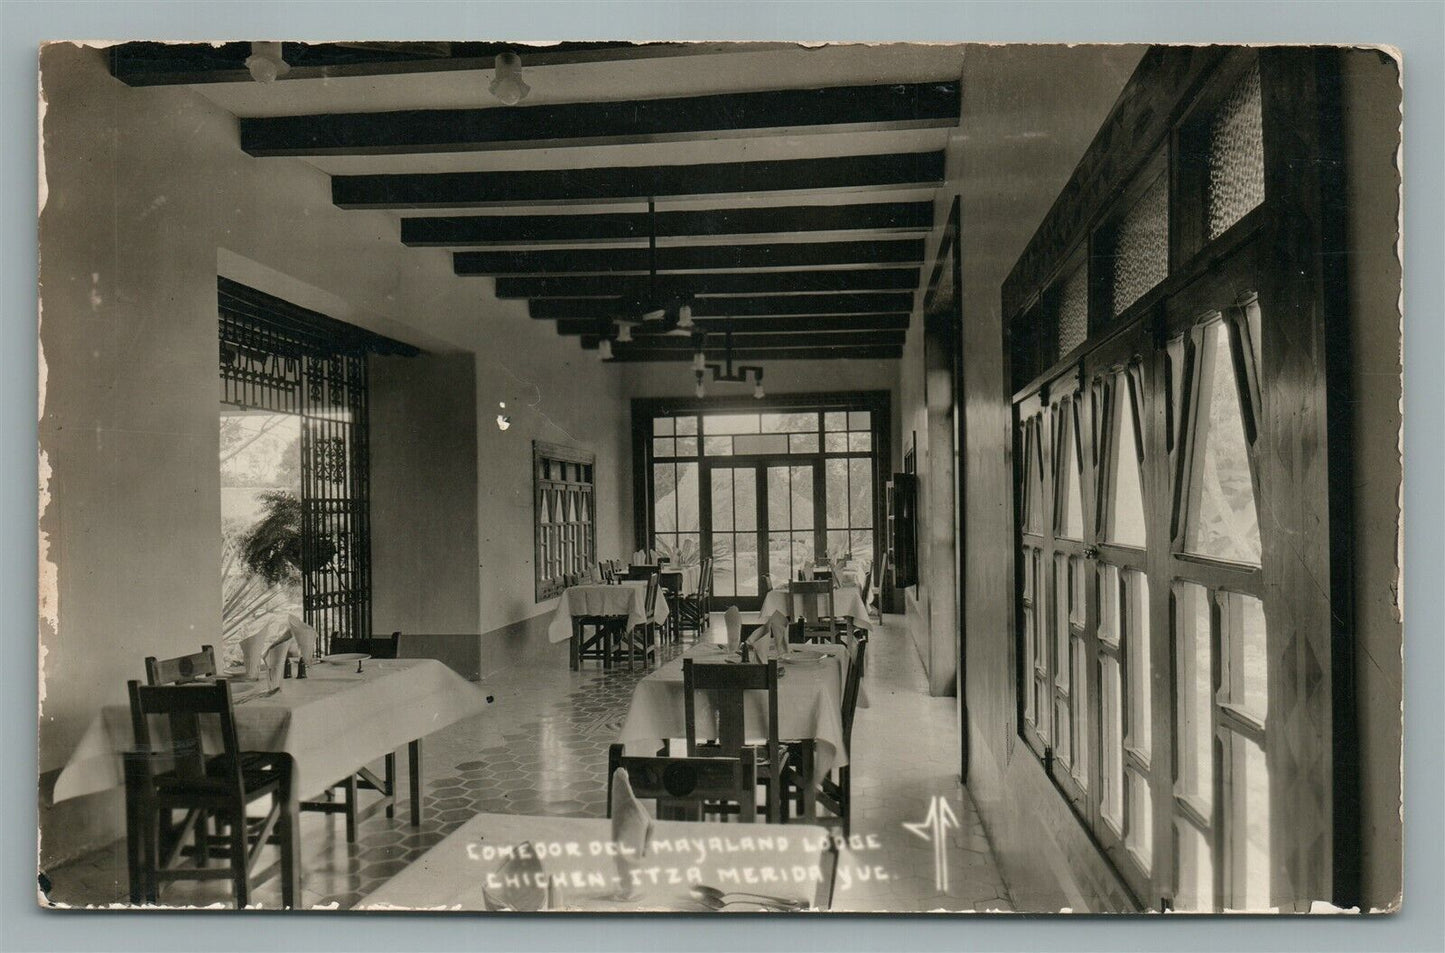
(710, 283)
(552, 125)
(688, 258)
(714, 344)
(621, 183)
(481, 230)
(145, 63)
(770, 354)
(784, 325)
(768, 305)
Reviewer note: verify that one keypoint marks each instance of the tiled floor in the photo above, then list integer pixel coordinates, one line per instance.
(541, 748)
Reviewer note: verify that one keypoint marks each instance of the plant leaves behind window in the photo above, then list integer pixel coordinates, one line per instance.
(272, 547)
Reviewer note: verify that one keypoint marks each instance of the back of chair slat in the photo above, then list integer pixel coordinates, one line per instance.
(728, 682)
(182, 668)
(852, 687)
(813, 599)
(183, 707)
(690, 781)
(649, 601)
(704, 578)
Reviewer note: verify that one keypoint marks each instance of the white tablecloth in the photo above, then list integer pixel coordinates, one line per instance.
(810, 705)
(333, 722)
(847, 601)
(625, 599)
(453, 874)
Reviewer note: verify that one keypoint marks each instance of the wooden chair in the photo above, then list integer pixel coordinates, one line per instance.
(179, 776)
(728, 685)
(813, 600)
(671, 582)
(640, 641)
(637, 572)
(384, 647)
(687, 788)
(604, 572)
(181, 669)
(198, 666)
(834, 796)
(693, 607)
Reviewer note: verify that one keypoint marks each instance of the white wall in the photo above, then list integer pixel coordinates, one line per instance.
(149, 196)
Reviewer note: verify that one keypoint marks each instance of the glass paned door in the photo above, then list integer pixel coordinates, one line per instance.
(792, 521)
(733, 533)
(764, 525)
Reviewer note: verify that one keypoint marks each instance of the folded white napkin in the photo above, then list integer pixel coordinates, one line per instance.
(252, 648)
(275, 660)
(639, 558)
(520, 883)
(778, 626)
(304, 636)
(631, 831)
(733, 620)
(760, 644)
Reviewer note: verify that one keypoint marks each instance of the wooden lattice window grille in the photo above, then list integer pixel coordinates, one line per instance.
(278, 357)
(565, 516)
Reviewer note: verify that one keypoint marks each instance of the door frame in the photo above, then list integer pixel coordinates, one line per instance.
(759, 464)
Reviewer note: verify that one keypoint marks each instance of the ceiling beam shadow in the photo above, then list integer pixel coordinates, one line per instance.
(482, 230)
(893, 106)
(771, 305)
(688, 258)
(822, 339)
(628, 183)
(715, 283)
(769, 354)
(783, 325)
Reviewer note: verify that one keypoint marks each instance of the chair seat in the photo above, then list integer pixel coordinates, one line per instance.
(261, 771)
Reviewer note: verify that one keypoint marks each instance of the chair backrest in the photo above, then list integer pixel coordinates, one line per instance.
(812, 599)
(671, 580)
(823, 573)
(183, 707)
(704, 578)
(380, 647)
(880, 580)
(182, 668)
(681, 785)
(649, 600)
(604, 572)
(765, 583)
(728, 684)
(797, 631)
(851, 688)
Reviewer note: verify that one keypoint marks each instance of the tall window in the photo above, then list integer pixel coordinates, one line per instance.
(566, 521)
(1166, 466)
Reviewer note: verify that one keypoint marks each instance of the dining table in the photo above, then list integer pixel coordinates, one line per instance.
(606, 607)
(810, 706)
(794, 863)
(847, 601)
(334, 722)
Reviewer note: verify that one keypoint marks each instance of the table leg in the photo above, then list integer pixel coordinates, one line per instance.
(288, 830)
(576, 651)
(810, 789)
(414, 770)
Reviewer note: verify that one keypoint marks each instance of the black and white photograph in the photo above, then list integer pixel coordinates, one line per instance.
(494, 476)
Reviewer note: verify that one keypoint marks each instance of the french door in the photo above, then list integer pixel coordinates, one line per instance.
(762, 523)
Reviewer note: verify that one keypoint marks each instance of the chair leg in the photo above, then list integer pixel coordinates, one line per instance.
(845, 792)
(239, 879)
(391, 785)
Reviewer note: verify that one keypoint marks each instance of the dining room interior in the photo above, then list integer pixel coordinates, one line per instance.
(482, 476)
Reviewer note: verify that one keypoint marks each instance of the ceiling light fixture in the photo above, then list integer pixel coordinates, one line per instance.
(725, 372)
(265, 63)
(604, 349)
(507, 83)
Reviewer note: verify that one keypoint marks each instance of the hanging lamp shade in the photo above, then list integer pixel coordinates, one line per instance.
(507, 83)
